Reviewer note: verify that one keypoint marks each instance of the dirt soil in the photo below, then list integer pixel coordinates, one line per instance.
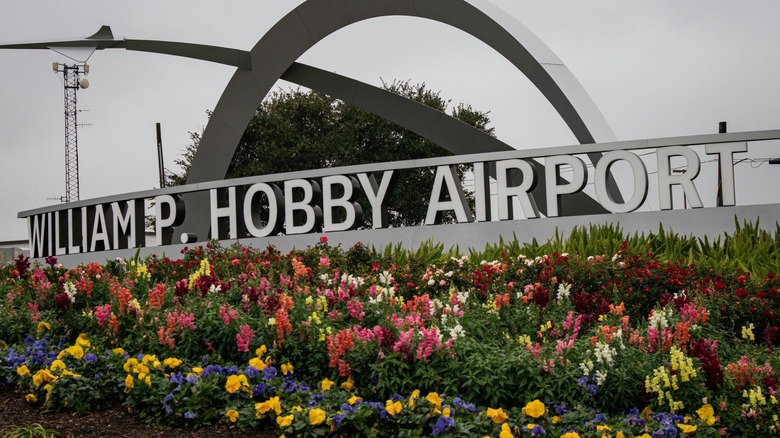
(114, 421)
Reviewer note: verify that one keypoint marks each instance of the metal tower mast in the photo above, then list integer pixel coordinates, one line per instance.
(72, 82)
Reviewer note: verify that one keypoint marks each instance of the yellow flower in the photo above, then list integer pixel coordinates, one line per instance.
(413, 397)
(57, 365)
(75, 351)
(43, 326)
(534, 409)
(66, 373)
(602, 428)
(261, 351)
(151, 359)
(257, 363)
(172, 362)
(446, 412)
(555, 419)
(570, 435)
(23, 370)
(619, 434)
(261, 408)
(434, 399)
(148, 381)
(83, 340)
(129, 383)
(349, 385)
(197, 370)
(316, 416)
(275, 405)
(130, 364)
(287, 368)
(118, 351)
(233, 384)
(284, 421)
(233, 415)
(687, 428)
(644, 435)
(393, 408)
(497, 415)
(296, 409)
(506, 431)
(31, 398)
(354, 399)
(707, 414)
(271, 404)
(326, 384)
(43, 376)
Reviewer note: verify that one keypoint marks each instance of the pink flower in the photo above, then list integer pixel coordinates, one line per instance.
(103, 313)
(323, 239)
(244, 338)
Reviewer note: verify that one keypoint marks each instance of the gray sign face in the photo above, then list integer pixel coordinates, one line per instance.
(324, 200)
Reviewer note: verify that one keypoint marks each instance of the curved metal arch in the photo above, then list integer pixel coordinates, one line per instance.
(313, 20)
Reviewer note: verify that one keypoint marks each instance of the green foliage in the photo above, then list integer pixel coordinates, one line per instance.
(31, 431)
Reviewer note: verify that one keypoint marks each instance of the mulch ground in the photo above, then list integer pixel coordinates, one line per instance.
(113, 421)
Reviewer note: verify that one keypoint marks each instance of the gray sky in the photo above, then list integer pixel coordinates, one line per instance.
(655, 69)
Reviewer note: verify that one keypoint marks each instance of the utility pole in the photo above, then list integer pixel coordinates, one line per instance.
(72, 81)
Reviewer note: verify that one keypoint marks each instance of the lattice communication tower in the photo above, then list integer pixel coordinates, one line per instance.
(72, 82)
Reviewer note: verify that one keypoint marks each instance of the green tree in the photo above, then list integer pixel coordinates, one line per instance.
(299, 130)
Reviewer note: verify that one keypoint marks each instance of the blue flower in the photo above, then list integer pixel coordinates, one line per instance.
(338, 419)
(90, 358)
(289, 386)
(177, 378)
(269, 373)
(251, 371)
(442, 425)
(260, 389)
(189, 415)
(537, 431)
(396, 397)
(304, 387)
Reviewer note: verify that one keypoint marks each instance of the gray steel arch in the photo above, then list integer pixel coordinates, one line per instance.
(313, 20)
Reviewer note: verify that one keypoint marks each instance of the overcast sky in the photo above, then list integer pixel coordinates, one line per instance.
(655, 69)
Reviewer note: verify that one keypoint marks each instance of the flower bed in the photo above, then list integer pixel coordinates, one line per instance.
(358, 342)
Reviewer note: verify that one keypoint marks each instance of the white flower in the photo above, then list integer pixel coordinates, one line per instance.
(601, 377)
(385, 278)
(457, 332)
(563, 291)
(604, 353)
(587, 367)
(659, 320)
(70, 291)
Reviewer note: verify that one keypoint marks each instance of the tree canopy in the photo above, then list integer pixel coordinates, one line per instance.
(297, 130)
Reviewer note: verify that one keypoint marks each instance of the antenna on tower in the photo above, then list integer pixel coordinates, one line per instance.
(72, 81)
